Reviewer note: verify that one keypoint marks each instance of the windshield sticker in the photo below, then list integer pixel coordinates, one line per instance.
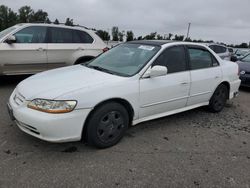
(149, 48)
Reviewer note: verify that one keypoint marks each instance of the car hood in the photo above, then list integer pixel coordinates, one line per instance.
(54, 83)
(244, 66)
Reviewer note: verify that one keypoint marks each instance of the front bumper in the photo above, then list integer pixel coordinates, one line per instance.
(245, 80)
(49, 127)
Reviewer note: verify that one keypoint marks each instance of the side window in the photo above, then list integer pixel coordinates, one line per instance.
(223, 49)
(61, 35)
(173, 58)
(82, 37)
(33, 34)
(199, 58)
(215, 48)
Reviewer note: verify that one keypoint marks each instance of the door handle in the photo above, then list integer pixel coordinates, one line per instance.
(184, 83)
(80, 48)
(40, 49)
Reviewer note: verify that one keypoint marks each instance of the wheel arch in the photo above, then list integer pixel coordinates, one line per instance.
(121, 101)
(227, 84)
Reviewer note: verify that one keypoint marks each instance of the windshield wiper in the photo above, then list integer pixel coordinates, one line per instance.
(100, 69)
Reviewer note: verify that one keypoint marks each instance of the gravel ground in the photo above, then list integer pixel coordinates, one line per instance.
(190, 149)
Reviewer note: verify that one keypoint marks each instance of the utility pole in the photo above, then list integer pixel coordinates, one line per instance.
(189, 25)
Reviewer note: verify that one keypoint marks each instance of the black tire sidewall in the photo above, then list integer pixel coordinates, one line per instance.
(212, 100)
(96, 116)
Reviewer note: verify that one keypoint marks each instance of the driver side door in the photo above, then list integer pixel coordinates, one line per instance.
(162, 94)
(28, 54)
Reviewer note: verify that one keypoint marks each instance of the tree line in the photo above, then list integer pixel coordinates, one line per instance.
(26, 14)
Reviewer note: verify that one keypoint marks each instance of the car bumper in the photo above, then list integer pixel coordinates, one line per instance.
(245, 80)
(234, 88)
(57, 128)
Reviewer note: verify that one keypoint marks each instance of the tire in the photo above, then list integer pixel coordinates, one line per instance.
(219, 99)
(107, 125)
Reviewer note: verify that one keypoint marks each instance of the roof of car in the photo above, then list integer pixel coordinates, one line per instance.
(151, 42)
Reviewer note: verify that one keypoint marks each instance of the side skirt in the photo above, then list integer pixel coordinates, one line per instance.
(156, 116)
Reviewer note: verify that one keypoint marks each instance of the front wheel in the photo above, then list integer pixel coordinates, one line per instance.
(107, 125)
(219, 99)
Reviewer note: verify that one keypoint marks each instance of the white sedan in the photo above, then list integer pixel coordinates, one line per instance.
(132, 83)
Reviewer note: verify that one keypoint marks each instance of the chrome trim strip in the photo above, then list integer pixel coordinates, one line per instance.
(203, 93)
(162, 102)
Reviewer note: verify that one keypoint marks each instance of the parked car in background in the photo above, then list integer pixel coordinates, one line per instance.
(31, 48)
(221, 51)
(131, 83)
(244, 66)
(240, 53)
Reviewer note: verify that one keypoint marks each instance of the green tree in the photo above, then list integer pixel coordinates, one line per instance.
(139, 38)
(103, 34)
(40, 16)
(8, 18)
(188, 39)
(115, 33)
(130, 36)
(179, 37)
(170, 35)
(151, 36)
(48, 21)
(121, 35)
(159, 37)
(69, 22)
(243, 45)
(56, 21)
(26, 14)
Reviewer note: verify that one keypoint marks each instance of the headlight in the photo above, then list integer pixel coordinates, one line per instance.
(52, 106)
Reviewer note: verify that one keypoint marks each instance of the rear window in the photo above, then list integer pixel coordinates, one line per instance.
(218, 49)
(64, 35)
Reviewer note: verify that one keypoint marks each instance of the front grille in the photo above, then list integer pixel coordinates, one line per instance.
(18, 98)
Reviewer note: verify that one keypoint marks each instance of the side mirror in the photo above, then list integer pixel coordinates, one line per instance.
(11, 39)
(234, 58)
(156, 71)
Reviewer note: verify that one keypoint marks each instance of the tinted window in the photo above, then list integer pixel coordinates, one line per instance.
(82, 37)
(62, 35)
(173, 58)
(199, 58)
(218, 49)
(34, 34)
(223, 49)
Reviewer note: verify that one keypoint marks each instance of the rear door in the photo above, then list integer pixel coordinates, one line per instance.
(28, 54)
(66, 45)
(166, 93)
(205, 74)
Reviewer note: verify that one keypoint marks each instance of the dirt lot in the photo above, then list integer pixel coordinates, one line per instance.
(191, 149)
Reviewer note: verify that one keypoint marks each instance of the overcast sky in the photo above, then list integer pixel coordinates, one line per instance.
(219, 20)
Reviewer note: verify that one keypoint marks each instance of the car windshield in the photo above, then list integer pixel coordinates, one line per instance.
(125, 59)
(246, 58)
(6, 31)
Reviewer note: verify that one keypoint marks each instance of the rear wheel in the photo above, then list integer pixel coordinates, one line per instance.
(219, 99)
(107, 125)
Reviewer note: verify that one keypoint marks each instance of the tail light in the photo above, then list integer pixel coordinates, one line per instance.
(105, 49)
